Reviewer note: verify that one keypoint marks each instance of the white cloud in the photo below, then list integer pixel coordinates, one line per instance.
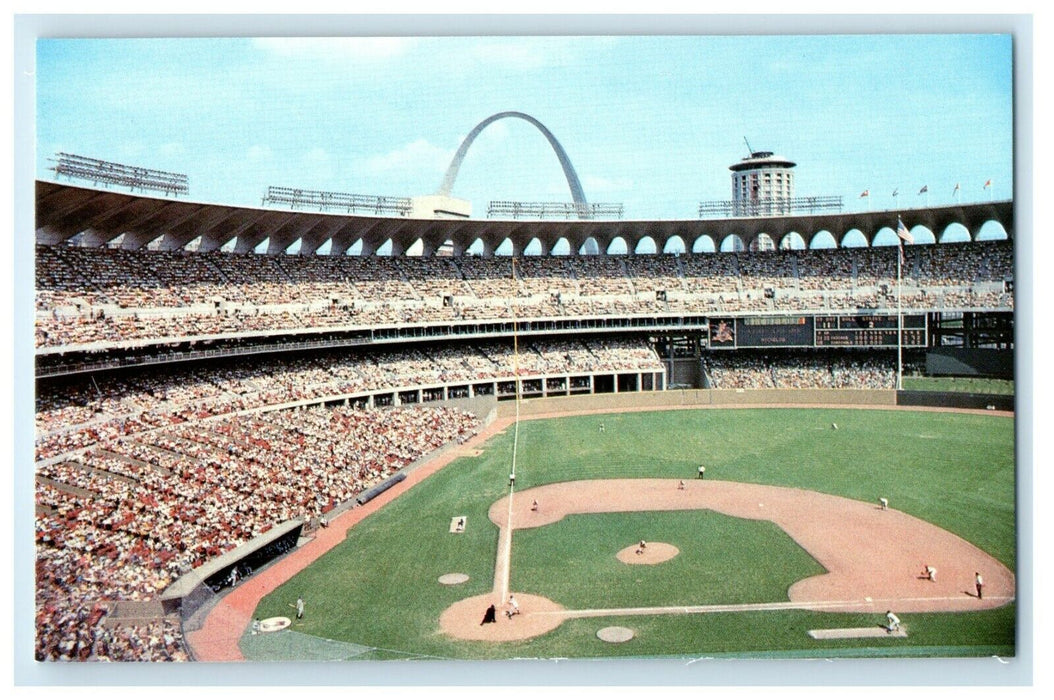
(416, 156)
(342, 48)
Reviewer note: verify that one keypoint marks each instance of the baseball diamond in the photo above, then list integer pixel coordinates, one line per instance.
(864, 560)
(297, 394)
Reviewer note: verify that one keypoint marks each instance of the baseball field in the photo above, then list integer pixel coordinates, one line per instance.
(784, 536)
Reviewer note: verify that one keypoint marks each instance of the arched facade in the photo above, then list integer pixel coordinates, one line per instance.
(100, 216)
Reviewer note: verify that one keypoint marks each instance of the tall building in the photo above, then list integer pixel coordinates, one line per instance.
(762, 185)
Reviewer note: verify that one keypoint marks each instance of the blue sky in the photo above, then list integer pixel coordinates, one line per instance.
(650, 122)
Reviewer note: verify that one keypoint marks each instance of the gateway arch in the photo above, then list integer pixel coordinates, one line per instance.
(577, 195)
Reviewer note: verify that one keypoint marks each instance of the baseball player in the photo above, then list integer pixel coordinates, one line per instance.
(930, 572)
(978, 583)
(514, 607)
(892, 622)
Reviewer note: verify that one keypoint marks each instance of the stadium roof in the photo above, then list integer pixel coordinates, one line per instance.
(100, 216)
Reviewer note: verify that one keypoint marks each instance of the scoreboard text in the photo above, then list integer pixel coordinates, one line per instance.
(869, 330)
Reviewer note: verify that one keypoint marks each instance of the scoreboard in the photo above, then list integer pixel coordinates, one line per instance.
(858, 331)
(870, 331)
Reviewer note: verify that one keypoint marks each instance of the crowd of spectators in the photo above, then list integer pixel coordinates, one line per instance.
(78, 413)
(141, 478)
(91, 296)
(801, 370)
(125, 519)
(654, 273)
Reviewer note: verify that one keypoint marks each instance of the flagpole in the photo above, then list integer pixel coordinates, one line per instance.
(900, 318)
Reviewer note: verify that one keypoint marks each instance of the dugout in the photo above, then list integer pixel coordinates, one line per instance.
(190, 592)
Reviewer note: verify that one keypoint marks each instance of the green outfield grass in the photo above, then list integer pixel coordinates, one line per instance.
(378, 588)
(968, 385)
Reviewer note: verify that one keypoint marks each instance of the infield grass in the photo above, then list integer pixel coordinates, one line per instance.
(379, 587)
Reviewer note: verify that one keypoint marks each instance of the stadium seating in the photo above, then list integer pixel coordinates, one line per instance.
(102, 296)
(145, 475)
(126, 518)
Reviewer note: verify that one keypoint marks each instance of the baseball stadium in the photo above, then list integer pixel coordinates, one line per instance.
(343, 427)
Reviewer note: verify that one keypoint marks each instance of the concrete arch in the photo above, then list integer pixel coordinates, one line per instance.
(590, 246)
(795, 241)
(732, 243)
(854, 238)
(617, 245)
(991, 230)
(645, 246)
(953, 233)
(704, 244)
(761, 241)
(534, 247)
(577, 194)
(561, 247)
(674, 245)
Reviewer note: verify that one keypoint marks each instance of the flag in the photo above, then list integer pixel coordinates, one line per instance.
(956, 188)
(903, 236)
(987, 184)
(903, 232)
(895, 192)
(925, 188)
(865, 193)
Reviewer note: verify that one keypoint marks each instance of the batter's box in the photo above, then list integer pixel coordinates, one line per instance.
(856, 633)
(457, 524)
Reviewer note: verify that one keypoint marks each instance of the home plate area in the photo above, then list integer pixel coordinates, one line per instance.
(857, 633)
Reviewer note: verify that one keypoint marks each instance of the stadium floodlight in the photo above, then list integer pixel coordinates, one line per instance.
(374, 204)
(108, 173)
(768, 206)
(553, 210)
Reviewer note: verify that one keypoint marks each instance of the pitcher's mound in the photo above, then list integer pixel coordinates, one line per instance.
(537, 616)
(653, 553)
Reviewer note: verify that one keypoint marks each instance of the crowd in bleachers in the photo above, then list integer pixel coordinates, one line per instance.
(87, 296)
(81, 413)
(125, 519)
(141, 478)
(801, 370)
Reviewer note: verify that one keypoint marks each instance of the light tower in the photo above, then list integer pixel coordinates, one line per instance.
(762, 185)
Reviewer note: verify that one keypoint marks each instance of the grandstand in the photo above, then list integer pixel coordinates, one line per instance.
(190, 402)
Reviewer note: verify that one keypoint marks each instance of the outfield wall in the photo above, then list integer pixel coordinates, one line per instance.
(692, 398)
(955, 399)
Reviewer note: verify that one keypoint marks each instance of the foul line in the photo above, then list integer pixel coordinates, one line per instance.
(746, 607)
(503, 565)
